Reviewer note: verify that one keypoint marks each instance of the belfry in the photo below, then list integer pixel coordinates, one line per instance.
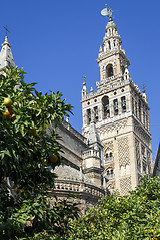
(120, 113)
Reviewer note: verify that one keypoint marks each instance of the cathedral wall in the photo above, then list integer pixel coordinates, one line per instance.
(72, 145)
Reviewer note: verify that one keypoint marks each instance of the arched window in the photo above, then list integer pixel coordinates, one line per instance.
(115, 102)
(123, 103)
(88, 116)
(96, 113)
(109, 45)
(105, 104)
(109, 71)
(110, 173)
(123, 69)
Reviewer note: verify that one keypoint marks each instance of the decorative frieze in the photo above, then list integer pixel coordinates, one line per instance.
(125, 185)
(115, 126)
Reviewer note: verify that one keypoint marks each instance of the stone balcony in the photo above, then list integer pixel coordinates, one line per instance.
(91, 153)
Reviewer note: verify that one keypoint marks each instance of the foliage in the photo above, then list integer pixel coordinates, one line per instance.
(26, 149)
(135, 216)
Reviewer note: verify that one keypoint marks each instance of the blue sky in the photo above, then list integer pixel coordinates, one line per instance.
(57, 41)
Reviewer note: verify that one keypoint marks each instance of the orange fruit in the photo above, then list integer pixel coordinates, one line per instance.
(19, 190)
(54, 158)
(7, 102)
(7, 114)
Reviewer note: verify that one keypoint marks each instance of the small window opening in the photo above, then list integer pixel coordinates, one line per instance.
(123, 102)
(105, 103)
(89, 115)
(109, 71)
(96, 113)
(123, 69)
(109, 45)
(115, 106)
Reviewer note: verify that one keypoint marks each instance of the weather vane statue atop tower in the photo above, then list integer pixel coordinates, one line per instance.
(108, 12)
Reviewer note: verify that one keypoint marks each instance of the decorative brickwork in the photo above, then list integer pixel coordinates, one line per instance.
(108, 147)
(142, 134)
(123, 152)
(138, 155)
(125, 185)
(114, 127)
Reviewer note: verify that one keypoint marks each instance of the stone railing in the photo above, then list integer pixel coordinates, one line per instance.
(77, 187)
(90, 153)
(108, 85)
(67, 186)
(108, 82)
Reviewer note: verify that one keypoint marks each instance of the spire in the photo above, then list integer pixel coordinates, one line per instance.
(112, 41)
(6, 57)
(93, 137)
(84, 90)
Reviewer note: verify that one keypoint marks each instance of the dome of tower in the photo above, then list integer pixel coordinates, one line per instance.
(111, 24)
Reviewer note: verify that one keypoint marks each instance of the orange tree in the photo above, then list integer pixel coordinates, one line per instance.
(26, 151)
(132, 217)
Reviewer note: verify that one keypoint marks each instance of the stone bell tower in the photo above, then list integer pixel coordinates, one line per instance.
(120, 113)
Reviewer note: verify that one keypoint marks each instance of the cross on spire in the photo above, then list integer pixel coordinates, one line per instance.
(6, 28)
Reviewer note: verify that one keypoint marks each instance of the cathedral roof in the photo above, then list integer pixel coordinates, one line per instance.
(6, 57)
(65, 172)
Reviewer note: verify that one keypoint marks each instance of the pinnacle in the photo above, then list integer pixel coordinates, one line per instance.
(6, 42)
